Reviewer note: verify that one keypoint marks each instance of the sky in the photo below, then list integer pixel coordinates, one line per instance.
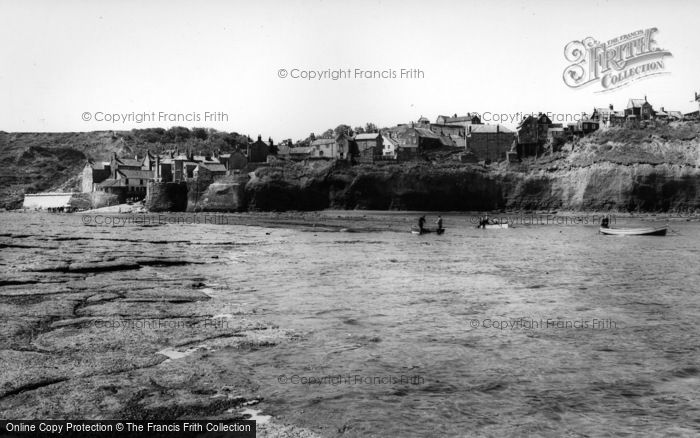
(184, 59)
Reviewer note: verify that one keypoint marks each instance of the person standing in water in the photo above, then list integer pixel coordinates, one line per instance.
(439, 223)
(421, 224)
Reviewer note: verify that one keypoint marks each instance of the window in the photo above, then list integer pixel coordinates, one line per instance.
(126, 181)
(141, 182)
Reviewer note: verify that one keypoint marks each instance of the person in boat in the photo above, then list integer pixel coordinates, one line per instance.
(484, 221)
(439, 223)
(421, 224)
(605, 222)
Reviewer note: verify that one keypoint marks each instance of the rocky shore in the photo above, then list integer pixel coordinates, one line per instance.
(95, 325)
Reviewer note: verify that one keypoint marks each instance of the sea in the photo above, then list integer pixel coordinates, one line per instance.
(546, 328)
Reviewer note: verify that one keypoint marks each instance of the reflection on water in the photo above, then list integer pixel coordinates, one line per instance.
(543, 330)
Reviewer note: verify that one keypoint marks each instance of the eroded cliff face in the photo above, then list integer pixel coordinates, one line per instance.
(166, 196)
(597, 187)
(642, 170)
(221, 195)
(607, 186)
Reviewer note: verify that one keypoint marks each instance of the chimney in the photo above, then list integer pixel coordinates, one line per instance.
(259, 137)
(645, 98)
(611, 107)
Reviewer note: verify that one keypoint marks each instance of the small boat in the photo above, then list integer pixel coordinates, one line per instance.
(658, 231)
(416, 230)
(493, 226)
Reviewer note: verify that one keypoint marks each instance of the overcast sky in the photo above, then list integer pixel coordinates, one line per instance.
(62, 59)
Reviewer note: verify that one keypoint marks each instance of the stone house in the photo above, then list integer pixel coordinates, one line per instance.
(490, 142)
(369, 145)
(324, 148)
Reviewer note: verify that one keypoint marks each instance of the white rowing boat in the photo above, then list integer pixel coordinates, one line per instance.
(658, 231)
(493, 226)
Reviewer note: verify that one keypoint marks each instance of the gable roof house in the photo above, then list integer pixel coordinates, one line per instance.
(490, 142)
(369, 145)
(324, 148)
(532, 134)
(608, 117)
(412, 141)
(117, 163)
(94, 173)
(640, 108)
(258, 151)
(391, 147)
(347, 148)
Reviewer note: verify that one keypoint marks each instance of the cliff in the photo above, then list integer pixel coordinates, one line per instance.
(222, 195)
(618, 169)
(653, 169)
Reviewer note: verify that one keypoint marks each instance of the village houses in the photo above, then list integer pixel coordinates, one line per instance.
(535, 134)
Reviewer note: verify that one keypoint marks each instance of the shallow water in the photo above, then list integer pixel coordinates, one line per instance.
(542, 330)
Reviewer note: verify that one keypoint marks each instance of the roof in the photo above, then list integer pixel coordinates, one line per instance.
(214, 167)
(557, 129)
(111, 183)
(389, 140)
(490, 129)
(424, 132)
(661, 113)
(423, 119)
(367, 136)
(129, 162)
(136, 174)
(636, 103)
(322, 141)
(677, 114)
